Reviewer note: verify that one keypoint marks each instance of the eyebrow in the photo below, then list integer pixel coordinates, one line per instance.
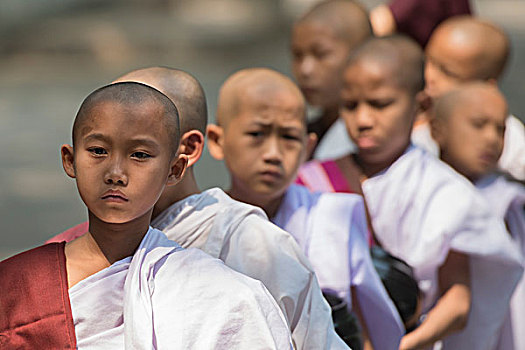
(134, 142)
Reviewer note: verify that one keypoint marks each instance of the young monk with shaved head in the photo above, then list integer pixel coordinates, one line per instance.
(322, 39)
(468, 124)
(124, 285)
(465, 49)
(261, 135)
(421, 210)
(234, 232)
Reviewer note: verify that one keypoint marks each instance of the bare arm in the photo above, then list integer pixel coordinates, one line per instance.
(451, 311)
(382, 20)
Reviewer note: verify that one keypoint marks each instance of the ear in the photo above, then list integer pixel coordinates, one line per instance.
(424, 101)
(437, 130)
(492, 81)
(192, 144)
(215, 135)
(68, 160)
(310, 145)
(178, 167)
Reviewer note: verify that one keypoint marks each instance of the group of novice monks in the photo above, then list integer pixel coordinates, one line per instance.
(283, 258)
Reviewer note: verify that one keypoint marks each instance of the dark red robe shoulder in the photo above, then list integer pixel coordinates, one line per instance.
(35, 312)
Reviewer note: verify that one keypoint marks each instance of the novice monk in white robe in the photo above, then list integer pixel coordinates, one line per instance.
(421, 210)
(469, 123)
(467, 49)
(168, 297)
(129, 287)
(237, 233)
(262, 138)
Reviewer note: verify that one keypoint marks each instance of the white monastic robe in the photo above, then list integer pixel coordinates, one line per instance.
(335, 143)
(170, 298)
(331, 229)
(421, 209)
(507, 200)
(241, 235)
(512, 159)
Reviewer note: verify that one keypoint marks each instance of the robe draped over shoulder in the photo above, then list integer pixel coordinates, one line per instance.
(331, 229)
(507, 200)
(241, 235)
(34, 304)
(421, 209)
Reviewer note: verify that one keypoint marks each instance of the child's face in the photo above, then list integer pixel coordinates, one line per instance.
(318, 61)
(446, 66)
(378, 112)
(264, 145)
(471, 140)
(122, 160)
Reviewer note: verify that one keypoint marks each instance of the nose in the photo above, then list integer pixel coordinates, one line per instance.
(272, 151)
(115, 173)
(306, 66)
(363, 117)
(494, 135)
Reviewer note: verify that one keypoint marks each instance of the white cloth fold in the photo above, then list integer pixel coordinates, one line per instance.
(331, 229)
(421, 209)
(507, 200)
(174, 298)
(241, 235)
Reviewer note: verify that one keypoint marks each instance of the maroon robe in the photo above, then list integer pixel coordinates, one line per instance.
(35, 312)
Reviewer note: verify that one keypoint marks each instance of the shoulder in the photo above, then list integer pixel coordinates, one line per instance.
(194, 269)
(71, 233)
(30, 259)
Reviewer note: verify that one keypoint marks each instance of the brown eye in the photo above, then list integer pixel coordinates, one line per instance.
(97, 151)
(349, 105)
(140, 155)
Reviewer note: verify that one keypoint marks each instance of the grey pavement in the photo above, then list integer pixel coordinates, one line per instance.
(51, 60)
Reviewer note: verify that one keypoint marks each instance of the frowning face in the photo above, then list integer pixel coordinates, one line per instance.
(265, 144)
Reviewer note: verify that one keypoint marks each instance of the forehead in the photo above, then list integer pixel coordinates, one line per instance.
(454, 50)
(371, 75)
(276, 105)
(107, 116)
(311, 32)
(482, 103)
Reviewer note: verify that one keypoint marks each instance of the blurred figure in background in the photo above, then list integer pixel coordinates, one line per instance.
(322, 39)
(421, 210)
(469, 124)
(415, 18)
(464, 49)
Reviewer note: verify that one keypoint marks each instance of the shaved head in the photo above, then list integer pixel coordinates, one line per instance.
(469, 127)
(400, 55)
(478, 47)
(349, 19)
(253, 84)
(135, 96)
(182, 88)
(471, 94)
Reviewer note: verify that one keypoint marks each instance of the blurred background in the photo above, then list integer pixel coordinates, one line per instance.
(53, 53)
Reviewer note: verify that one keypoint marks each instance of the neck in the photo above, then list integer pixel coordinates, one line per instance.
(446, 159)
(270, 205)
(185, 188)
(117, 241)
(371, 167)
